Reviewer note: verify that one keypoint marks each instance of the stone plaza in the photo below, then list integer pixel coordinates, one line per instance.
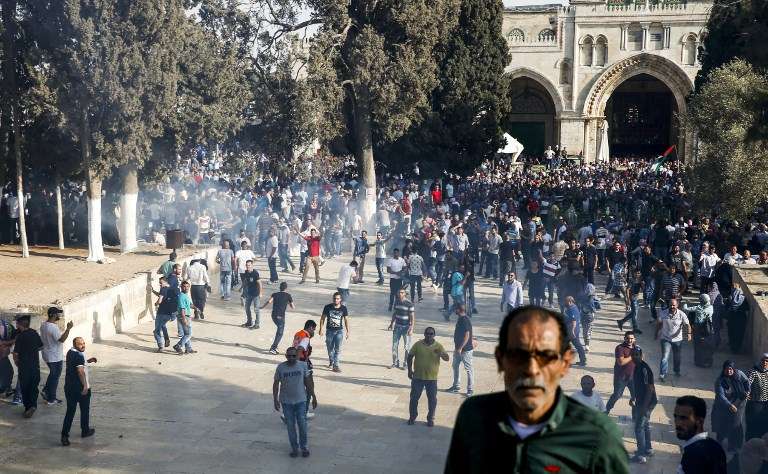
(212, 412)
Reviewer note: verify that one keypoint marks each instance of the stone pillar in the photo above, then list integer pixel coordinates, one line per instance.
(644, 43)
(623, 39)
(666, 38)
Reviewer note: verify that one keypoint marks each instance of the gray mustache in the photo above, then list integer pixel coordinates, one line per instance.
(529, 382)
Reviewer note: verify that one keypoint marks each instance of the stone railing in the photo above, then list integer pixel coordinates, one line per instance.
(629, 7)
(547, 41)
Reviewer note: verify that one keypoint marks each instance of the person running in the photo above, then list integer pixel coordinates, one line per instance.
(337, 316)
(643, 402)
(396, 269)
(572, 317)
(670, 328)
(346, 275)
(167, 307)
(251, 293)
(77, 391)
(623, 370)
(280, 302)
(184, 321)
(53, 352)
(401, 325)
(423, 365)
(226, 259)
(27, 359)
(463, 341)
(292, 384)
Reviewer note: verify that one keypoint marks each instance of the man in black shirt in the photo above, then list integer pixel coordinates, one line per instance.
(590, 260)
(463, 347)
(251, 294)
(280, 302)
(506, 257)
(336, 314)
(701, 454)
(77, 388)
(27, 359)
(643, 402)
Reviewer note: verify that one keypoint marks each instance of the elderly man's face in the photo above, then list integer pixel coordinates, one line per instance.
(532, 366)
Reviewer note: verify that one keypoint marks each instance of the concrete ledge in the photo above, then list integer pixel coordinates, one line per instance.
(754, 279)
(110, 311)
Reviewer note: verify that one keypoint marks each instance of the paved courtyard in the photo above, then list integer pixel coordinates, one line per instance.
(212, 412)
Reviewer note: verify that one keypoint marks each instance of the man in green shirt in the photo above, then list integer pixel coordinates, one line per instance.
(532, 426)
(423, 374)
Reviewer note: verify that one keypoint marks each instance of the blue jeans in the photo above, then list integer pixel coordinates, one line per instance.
(285, 257)
(225, 286)
(666, 348)
(252, 300)
(642, 431)
(185, 333)
(296, 415)
(466, 360)
(344, 294)
(491, 269)
(400, 332)
(418, 386)
(333, 338)
(577, 344)
(52, 383)
(619, 384)
(272, 262)
(380, 268)
(632, 315)
(161, 332)
(280, 324)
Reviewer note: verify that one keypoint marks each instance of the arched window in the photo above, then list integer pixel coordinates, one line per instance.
(586, 51)
(601, 51)
(547, 35)
(516, 35)
(689, 50)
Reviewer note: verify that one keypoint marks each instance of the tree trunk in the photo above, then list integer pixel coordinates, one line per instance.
(95, 246)
(363, 137)
(128, 201)
(59, 216)
(9, 69)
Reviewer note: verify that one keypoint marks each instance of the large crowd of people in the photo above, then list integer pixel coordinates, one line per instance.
(548, 235)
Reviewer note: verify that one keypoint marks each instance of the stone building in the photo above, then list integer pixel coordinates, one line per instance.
(602, 72)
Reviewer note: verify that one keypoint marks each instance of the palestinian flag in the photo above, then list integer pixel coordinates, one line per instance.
(668, 155)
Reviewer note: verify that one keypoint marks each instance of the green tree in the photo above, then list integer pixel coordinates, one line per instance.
(115, 82)
(464, 126)
(730, 171)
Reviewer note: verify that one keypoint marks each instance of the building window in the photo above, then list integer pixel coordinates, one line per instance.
(689, 50)
(516, 35)
(635, 38)
(601, 51)
(547, 35)
(586, 51)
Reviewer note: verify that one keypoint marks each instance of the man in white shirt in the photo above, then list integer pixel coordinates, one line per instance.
(587, 395)
(395, 268)
(197, 274)
(707, 264)
(346, 274)
(511, 294)
(670, 327)
(53, 352)
(243, 255)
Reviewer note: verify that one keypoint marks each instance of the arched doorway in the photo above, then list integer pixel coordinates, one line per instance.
(532, 119)
(642, 118)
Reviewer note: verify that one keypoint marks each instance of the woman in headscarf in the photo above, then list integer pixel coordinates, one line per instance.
(756, 412)
(736, 314)
(728, 410)
(701, 323)
(718, 309)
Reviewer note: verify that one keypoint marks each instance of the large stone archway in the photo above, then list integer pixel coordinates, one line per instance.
(536, 105)
(653, 65)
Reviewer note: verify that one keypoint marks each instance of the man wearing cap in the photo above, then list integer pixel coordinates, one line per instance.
(27, 359)
(53, 352)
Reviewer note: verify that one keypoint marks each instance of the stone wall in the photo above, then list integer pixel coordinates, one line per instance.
(754, 279)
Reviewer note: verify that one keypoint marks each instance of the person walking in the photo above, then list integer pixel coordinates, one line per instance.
(292, 384)
(361, 248)
(643, 402)
(283, 248)
(272, 245)
(77, 391)
(731, 389)
(511, 294)
(241, 258)
(336, 314)
(226, 260)
(401, 325)
(167, 307)
(381, 255)
(700, 317)
(313, 254)
(396, 270)
(423, 363)
(416, 267)
(634, 289)
(280, 302)
(464, 342)
(756, 411)
(346, 275)
(184, 321)
(494, 242)
(53, 352)
(701, 454)
(572, 317)
(670, 328)
(623, 370)
(27, 359)
(251, 293)
(457, 281)
(197, 275)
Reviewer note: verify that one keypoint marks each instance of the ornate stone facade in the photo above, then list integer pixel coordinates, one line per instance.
(578, 55)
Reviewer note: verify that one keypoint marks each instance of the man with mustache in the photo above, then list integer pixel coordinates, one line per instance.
(533, 426)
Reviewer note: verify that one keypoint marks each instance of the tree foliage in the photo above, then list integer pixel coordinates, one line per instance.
(731, 170)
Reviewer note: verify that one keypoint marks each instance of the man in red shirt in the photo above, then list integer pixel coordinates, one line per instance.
(313, 253)
(623, 370)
